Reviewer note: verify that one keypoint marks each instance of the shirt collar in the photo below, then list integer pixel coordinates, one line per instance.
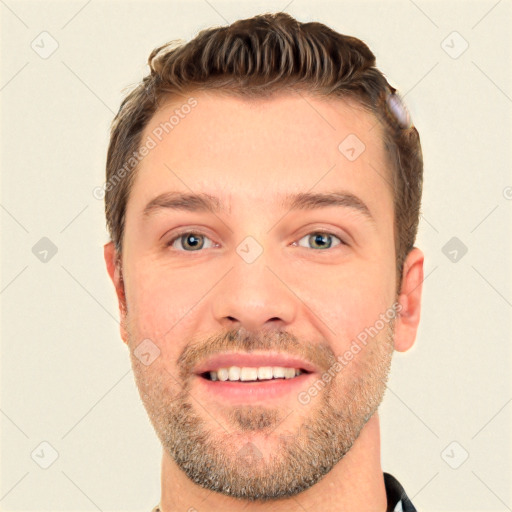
(398, 501)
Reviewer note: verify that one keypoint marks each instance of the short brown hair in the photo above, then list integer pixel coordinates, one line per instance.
(254, 58)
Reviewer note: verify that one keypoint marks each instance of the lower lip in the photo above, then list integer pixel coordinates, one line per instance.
(255, 391)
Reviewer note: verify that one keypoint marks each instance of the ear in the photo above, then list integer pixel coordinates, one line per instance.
(406, 324)
(115, 272)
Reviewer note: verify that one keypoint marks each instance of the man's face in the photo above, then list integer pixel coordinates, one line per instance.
(262, 283)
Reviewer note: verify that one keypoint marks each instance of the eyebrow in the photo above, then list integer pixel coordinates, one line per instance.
(202, 202)
(184, 201)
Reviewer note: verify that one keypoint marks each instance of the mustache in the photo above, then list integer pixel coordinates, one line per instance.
(241, 340)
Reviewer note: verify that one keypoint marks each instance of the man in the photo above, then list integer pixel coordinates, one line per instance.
(263, 193)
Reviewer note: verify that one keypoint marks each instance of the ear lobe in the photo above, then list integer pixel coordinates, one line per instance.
(406, 324)
(114, 270)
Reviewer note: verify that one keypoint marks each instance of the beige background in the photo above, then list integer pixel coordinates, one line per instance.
(66, 376)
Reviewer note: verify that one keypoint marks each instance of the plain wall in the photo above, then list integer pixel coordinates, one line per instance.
(65, 373)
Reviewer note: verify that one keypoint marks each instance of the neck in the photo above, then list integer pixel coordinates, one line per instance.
(355, 483)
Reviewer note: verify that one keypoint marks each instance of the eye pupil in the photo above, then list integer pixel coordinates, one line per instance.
(318, 238)
(195, 243)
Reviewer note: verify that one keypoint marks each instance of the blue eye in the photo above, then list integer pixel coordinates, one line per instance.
(190, 241)
(320, 240)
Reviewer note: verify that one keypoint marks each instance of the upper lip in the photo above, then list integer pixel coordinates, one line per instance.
(241, 359)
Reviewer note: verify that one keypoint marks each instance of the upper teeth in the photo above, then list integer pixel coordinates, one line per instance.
(249, 373)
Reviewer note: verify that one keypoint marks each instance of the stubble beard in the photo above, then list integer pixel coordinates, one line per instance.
(254, 460)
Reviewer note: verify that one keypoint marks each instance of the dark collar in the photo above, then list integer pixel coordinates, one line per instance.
(394, 491)
(396, 494)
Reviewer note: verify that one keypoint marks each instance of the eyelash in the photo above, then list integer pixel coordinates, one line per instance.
(179, 235)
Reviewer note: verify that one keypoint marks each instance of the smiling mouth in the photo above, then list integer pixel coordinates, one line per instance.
(252, 374)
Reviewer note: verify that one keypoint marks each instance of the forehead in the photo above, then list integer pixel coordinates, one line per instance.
(226, 145)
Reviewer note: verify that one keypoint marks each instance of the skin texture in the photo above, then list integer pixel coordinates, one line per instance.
(297, 297)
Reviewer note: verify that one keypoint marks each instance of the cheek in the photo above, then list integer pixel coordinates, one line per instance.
(352, 299)
(160, 306)
(155, 291)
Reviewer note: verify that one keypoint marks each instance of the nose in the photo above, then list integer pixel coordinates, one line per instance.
(255, 297)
